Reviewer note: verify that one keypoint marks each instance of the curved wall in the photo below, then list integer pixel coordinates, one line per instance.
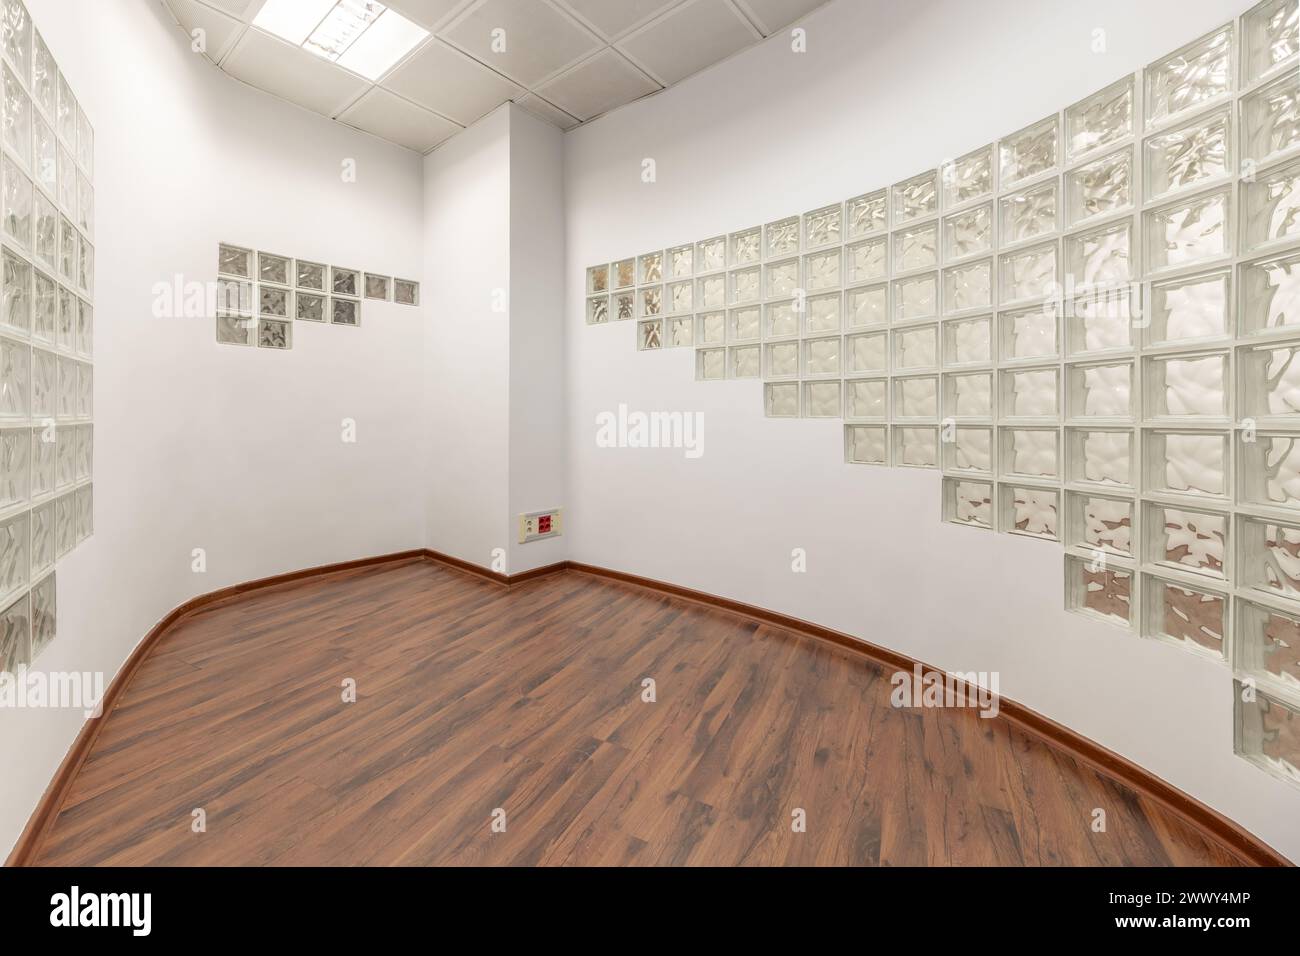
(884, 91)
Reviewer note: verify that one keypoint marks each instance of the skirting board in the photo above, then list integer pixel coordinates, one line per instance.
(1249, 848)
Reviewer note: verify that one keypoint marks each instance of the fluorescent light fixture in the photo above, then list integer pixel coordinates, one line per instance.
(363, 36)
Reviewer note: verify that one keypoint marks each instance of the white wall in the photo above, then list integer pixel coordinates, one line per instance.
(885, 91)
(237, 451)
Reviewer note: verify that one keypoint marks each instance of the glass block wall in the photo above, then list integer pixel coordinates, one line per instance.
(47, 151)
(1090, 327)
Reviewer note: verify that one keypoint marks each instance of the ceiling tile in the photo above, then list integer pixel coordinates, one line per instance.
(392, 118)
(429, 14)
(689, 38)
(234, 7)
(220, 29)
(548, 111)
(539, 39)
(444, 79)
(772, 15)
(292, 73)
(598, 85)
(613, 18)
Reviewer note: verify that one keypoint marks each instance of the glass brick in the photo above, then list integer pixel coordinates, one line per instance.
(85, 205)
(85, 142)
(66, 406)
(1099, 188)
(968, 286)
(781, 399)
(1191, 309)
(916, 447)
(17, 306)
(916, 298)
(1195, 385)
(865, 215)
(968, 448)
(866, 444)
(744, 285)
(236, 330)
(823, 313)
(45, 308)
(822, 270)
(597, 308)
(916, 397)
(342, 281)
(650, 334)
(275, 269)
(781, 360)
(821, 357)
(45, 76)
(406, 292)
(968, 233)
(45, 156)
(711, 291)
(67, 180)
(46, 241)
(1099, 524)
(649, 268)
(916, 348)
(867, 307)
(1270, 37)
(343, 312)
(1030, 151)
(1268, 555)
(866, 398)
(823, 227)
(44, 608)
(274, 334)
(711, 328)
(234, 261)
(377, 287)
(1271, 207)
(65, 459)
(1186, 463)
(1029, 274)
(1103, 118)
(744, 361)
(1267, 733)
(15, 553)
(681, 296)
(710, 255)
(1193, 618)
(85, 267)
(866, 353)
(867, 260)
(968, 341)
(1186, 540)
(273, 301)
(85, 451)
(42, 538)
(711, 364)
(15, 635)
(681, 262)
(68, 320)
(1270, 293)
(1030, 511)
(781, 279)
(624, 274)
(680, 332)
(18, 118)
(780, 320)
(1095, 588)
(18, 203)
(1270, 119)
(623, 307)
(15, 466)
(780, 239)
(968, 178)
(650, 301)
(968, 502)
(1100, 258)
(1029, 334)
(1101, 456)
(1270, 469)
(1030, 393)
(916, 247)
(1102, 390)
(1188, 231)
(916, 197)
(1269, 382)
(745, 324)
(65, 524)
(1190, 77)
(1030, 453)
(822, 400)
(597, 279)
(1195, 152)
(968, 395)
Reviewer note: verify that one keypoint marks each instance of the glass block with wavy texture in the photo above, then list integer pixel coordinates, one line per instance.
(866, 444)
(866, 261)
(274, 302)
(822, 270)
(1195, 385)
(1100, 456)
(271, 334)
(916, 446)
(968, 178)
(1270, 37)
(1265, 650)
(42, 538)
(45, 308)
(17, 201)
(744, 361)
(1270, 293)
(680, 296)
(916, 298)
(1100, 258)
(711, 291)
(1190, 309)
(65, 524)
(1099, 524)
(968, 395)
(916, 397)
(623, 274)
(16, 313)
(1030, 511)
(45, 156)
(1031, 393)
(44, 76)
(15, 379)
(710, 255)
(1030, 453)
(1030, 334)
(45, 243)
(1028, 152)
(916, 247)
(15, 466)
(1102, 320)
(866, 307)
(781, 399)
(44, 459)
(866, 215)
(780, 238)
(823, 313)
(65, 459)
(681, 262)
(597, 309)
(1268, 555)
(916, 197)
(1029, 274)
(1190, 77)
(234, 261)
(711, 328)
(44, 608)
(744, 286)
(1269, 383)
(1188, 231)
(968, 503)
(968, 341)
(866, 353)
(15, 635)
(745, 324)
(1195, 152)
(780, 320)
(1099, 188)
(1103, 118)
(84, 454)
(866, 398)
(1186, 462)
(1186, 540)
(823, 227)
(67, 181)
(916, 348)
(649, 268)
(1271, 207)
(968, 448)
(680, 332)
(781, 359)
(1029, 213)
(236, 330)
(622, 306)
(781, 279)
(1195, 619)
(968, 286)
(1270, 469)
(1098, 590)
(710, 364)
(15, 554)
(822, 400)
(597, 279)
(1270, 119)
(650, 334)
(17, 117)
(1101, 390)
(821, 357)
(45, 384)
(68, 319)
(968, 233)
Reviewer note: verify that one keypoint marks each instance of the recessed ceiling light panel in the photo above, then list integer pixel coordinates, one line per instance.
(361, 35)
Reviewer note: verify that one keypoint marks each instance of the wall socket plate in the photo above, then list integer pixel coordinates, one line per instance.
(539, 525)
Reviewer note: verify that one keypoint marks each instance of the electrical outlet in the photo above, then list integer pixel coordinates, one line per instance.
(538, 525)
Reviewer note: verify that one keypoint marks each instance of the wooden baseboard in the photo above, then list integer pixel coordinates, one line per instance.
(1249, 848)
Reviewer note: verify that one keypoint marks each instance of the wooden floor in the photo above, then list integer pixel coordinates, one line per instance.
(472, 698)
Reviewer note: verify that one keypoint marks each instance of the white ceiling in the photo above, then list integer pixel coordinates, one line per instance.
(566, 61)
